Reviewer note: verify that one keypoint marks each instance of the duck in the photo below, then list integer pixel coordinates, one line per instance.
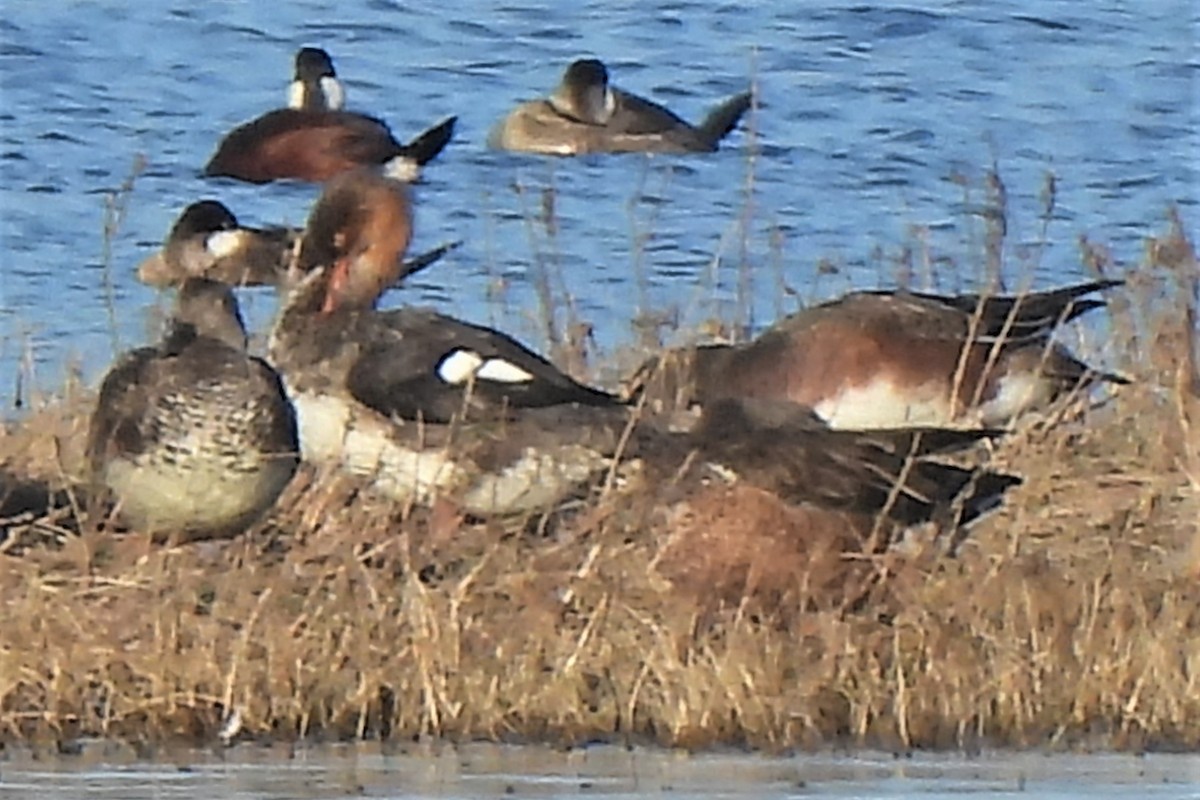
(419, 438)
(409, 362)
(207, 241)
(314, 139)
(537, 455)
(380, 391)
(895, 358)
(778, 512)
(584, 114)
(423, 405)
(192, 437)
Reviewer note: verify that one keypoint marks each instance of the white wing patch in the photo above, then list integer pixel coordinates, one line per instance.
(497, 369)
(459, 367)
(464, 365)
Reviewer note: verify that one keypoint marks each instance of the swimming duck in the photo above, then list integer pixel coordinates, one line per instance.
(587, 115)
(206, 241)
(886, 359)
(313, 139)
(193, 437)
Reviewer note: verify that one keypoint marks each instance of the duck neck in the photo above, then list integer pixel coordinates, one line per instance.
(301, 305)
(321, 94)
(590, 105)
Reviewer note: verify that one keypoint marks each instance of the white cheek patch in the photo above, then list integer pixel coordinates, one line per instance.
(223, 244)
(601, 103)
(331, 88)
(335, 95)
(296, 94)
(464, 365)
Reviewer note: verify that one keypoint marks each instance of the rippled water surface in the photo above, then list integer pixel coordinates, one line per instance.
(609, 772)
(871, 117)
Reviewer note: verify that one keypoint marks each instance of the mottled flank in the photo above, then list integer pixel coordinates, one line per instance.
(193, 437)
(725, 620)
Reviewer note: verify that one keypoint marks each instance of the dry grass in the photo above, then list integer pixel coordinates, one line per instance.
(1069, 618)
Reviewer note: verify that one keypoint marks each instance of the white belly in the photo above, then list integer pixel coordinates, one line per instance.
(163, 498)
(881, 404)
(336, 432)
(1018, 391)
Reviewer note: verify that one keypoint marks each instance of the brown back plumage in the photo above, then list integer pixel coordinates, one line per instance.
(876, 359)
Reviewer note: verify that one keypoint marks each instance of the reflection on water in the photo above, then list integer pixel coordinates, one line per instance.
(870, 114)
(498, 771)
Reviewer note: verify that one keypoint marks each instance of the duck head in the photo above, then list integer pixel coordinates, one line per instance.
(315, 86)
(359, 229)
(208, 308)
(205, 231)
(583, 94)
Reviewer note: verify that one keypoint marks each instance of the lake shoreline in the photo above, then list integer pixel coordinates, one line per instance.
(1066, 620)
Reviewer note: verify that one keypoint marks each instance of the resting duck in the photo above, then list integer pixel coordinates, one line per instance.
(376, 391)
(586, 115)
(315, 140)
(886, 359)
(208, 242)
(423, 404)
(778, 511)
(193, 437)
(793, 453)
(25, 498)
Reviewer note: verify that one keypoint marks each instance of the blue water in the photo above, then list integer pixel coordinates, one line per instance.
(873, 118)
(482, 770)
